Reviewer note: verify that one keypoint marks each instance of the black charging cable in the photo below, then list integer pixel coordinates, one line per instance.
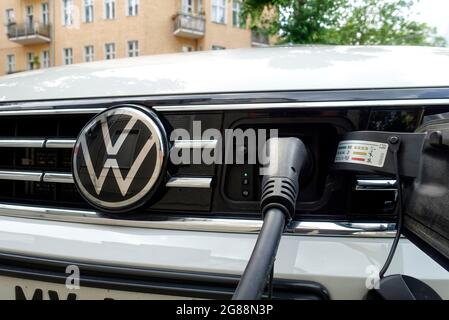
(258, 269)
(280, 187)
(270, 284)
(395, 144)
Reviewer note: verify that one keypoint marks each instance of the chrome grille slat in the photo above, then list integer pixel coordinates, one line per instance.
(37, 143)
(376, 184)
(60, 143)
(190, 182)
(55, 177)
(36, 176)
(21, 143)
(16, 175)
(62, 177)
(70, 143)
(195, 144)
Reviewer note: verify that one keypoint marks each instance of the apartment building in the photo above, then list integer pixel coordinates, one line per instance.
(44, 33)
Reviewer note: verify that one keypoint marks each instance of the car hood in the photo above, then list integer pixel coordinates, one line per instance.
(230, 71)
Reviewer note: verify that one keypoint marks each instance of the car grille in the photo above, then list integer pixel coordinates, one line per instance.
(36, 180)
(35, 162)
(36, 154)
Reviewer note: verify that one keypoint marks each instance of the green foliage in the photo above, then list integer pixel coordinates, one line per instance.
(36, 62)
(370, 22)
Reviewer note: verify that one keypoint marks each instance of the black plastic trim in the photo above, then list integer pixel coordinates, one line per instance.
(162, 282)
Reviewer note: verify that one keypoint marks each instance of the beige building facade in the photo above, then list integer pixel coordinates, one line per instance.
(44, 33)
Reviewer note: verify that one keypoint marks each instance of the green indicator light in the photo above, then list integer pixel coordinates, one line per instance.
(245, 174)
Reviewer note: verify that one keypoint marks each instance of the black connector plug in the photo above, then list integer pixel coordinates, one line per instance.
(287, 158)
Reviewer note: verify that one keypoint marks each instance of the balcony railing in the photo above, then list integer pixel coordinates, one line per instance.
(29, 33)
(189, 26)
(259, 39)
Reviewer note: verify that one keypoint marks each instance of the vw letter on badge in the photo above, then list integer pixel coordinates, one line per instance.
(368, 153)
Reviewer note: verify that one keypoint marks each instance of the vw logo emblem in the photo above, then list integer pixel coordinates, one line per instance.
(119, 158)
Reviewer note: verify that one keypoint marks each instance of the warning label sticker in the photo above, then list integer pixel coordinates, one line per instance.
(368, 153)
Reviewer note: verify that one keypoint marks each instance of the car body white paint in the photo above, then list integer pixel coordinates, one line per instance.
(231, 71)
(341, 264)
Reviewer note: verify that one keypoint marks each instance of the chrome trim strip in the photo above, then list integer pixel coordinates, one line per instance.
(195, 144)
(36, 143)
(60, 143)
(295, 105)
(21, 175)
(18, 109)
(52, 111)
(376, 184)
(189, 182)
(70, 143)
(229, 225)
(379, 230)
(22, 143)
(36, 176)
(56, 177)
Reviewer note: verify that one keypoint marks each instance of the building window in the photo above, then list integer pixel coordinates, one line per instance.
(237, 14)
(30, 62)
(219, 11)
(45, 59)
(133, 8)
(215, 47)
(44, 8)
(133, 48)
(29, 18)
(88, 11)
(10, 16)
(9, 19)
(187, 6)
(89, 53)
(68, 55)
(10, 63)
(109, 9)
(109, 49)
(200, 7)
(67, 12)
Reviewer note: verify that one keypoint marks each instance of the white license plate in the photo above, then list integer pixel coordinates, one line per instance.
(15, 288)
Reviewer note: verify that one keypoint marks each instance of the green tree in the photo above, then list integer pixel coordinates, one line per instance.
(349, 22)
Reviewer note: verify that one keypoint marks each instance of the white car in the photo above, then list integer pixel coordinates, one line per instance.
(116, 182)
